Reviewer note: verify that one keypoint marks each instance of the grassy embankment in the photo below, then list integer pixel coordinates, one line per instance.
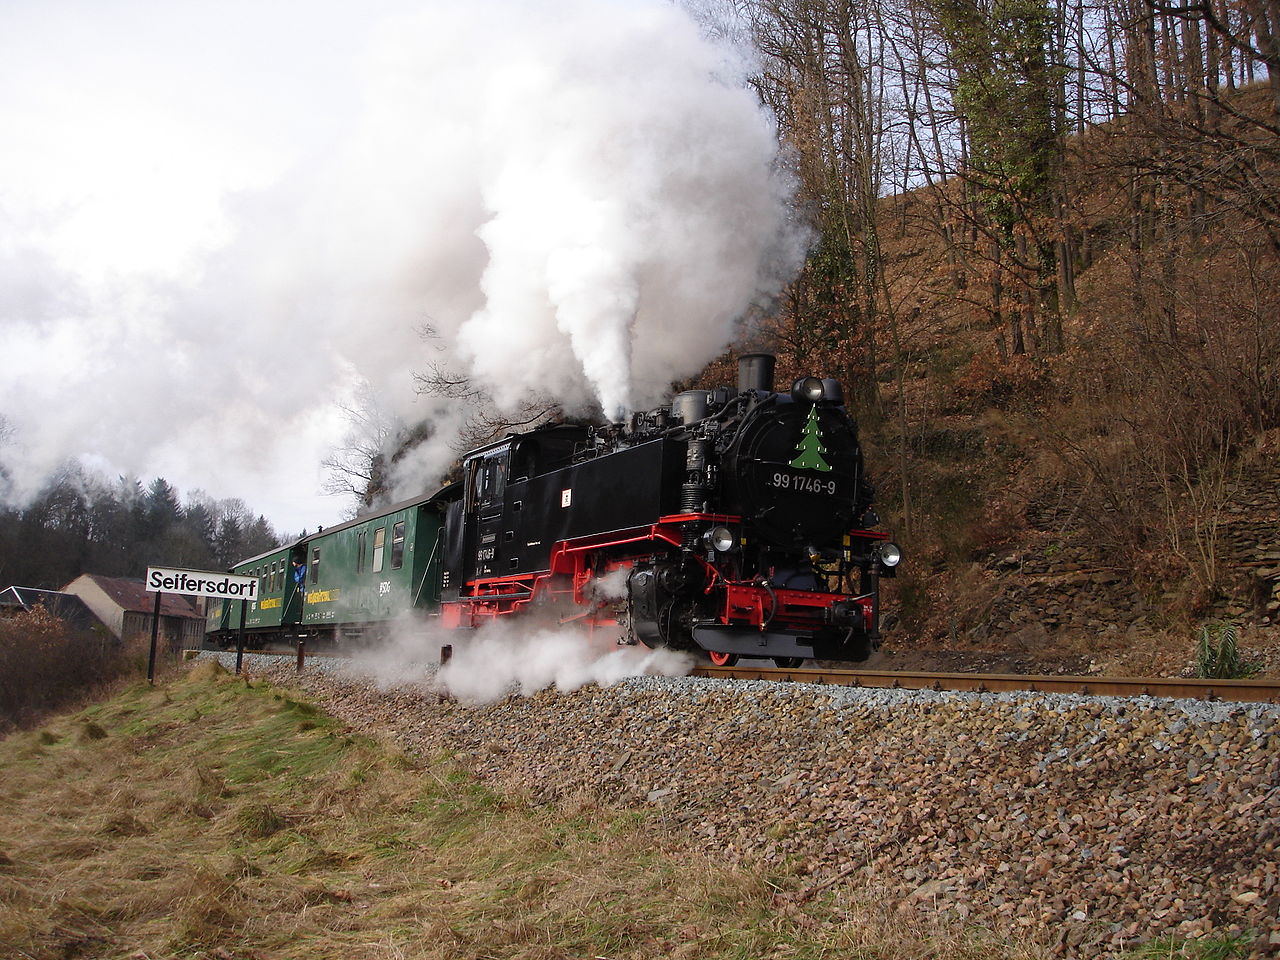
(219, 818)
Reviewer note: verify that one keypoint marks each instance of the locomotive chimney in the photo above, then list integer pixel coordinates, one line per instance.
(755, 372)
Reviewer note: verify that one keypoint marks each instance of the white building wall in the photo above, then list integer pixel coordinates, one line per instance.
(96, 599)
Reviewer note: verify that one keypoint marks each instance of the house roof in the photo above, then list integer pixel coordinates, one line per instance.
(65, 606)
(133, 596)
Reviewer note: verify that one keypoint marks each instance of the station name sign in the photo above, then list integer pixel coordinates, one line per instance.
(201, 583)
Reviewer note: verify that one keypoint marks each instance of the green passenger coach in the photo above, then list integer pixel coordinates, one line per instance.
(373, 569)
(279, 603)
(358, 577)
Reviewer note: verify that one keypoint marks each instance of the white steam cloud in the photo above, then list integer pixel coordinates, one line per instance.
(612, 586)
(515, 657)
(499, 660)
(580, 198)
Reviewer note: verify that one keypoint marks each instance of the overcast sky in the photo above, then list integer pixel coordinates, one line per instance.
(127, 131)
(216, 219)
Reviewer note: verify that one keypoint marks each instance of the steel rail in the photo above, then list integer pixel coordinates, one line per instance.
(1243, 691)
(1250, 691)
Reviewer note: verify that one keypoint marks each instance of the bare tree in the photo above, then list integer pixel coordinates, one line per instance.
(355, 466)
(483, 420)
(823, 77)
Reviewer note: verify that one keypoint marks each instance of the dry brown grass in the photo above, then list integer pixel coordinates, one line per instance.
(218, 818)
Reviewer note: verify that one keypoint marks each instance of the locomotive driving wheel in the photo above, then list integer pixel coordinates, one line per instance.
(788, 663)
(722, 659)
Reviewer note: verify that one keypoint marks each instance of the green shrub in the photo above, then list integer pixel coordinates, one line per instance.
(1217, 653)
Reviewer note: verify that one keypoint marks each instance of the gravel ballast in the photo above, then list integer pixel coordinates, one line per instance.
(1094, 824)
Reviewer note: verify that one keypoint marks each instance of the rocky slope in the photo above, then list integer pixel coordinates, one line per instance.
(1055, 602)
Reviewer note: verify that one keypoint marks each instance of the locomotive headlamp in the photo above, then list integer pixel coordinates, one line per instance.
(721, 539)
(808, 389)
(888, 554)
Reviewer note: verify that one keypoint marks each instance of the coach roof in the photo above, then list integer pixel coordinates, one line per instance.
(447, 492)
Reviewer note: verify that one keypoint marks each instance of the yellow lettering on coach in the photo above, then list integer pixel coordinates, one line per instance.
(269, 604)
(322, 596)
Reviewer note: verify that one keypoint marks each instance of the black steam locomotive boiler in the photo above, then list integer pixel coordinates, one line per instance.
(735, 522)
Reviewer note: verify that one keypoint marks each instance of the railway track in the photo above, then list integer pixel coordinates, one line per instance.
(1244, 691)
(1250, 691)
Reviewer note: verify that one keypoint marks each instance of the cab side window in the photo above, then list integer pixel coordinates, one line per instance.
(486, 478)
(522, 461)
(495, 476)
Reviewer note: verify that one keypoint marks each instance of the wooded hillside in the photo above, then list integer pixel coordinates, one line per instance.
(1045, 266)
(81, 522)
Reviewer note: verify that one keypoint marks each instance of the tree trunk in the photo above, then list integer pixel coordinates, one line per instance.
(1224, 10)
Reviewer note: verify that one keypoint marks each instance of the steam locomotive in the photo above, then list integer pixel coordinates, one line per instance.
(731, 522)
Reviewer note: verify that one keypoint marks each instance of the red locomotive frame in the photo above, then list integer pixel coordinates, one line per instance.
(576, 563)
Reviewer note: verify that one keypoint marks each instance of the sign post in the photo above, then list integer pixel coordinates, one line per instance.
(197, 583)
(155, 634)
(240, 638)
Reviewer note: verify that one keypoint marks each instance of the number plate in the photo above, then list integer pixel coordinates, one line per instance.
(802, 481)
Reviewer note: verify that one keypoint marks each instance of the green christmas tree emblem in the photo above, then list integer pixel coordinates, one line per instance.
(810, 446)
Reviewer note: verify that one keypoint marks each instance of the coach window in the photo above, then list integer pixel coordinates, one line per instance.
(379, 543)
(362, 544)
(315, 564)
(397, 545)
